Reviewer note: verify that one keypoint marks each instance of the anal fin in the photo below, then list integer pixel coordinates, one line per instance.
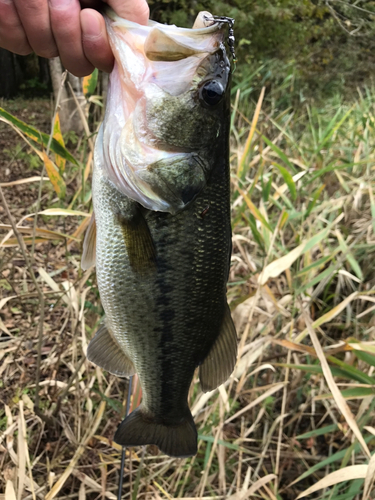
(89, 245)
(104, 351)
(222, 357)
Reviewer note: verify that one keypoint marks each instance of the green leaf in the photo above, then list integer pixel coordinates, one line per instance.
(332, 129)
(257, 236)
(352, 393)
(318, 263)
(356, 374)
(230, 446)
(337, 372)
(280, 154)
(207, 454)
(365, 356)
(266, 188)
(255, 211)
(37, 136)
(60, 162)
(345, 250)
(116, 405)
(336, 457)
(89, 83)
(288, 180)
(318, 432)
(314, 200)
(317, 279)
(354, 489)
(330, 168)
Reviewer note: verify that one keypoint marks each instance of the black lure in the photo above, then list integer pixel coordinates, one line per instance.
(231, 39)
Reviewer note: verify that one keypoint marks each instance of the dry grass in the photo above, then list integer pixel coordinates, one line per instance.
(299, 405)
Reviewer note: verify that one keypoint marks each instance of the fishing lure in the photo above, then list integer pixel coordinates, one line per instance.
(231, 38)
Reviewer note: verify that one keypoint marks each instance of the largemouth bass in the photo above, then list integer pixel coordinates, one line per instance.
(160, 235)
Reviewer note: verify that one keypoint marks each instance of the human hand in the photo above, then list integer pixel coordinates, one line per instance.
(71, 29)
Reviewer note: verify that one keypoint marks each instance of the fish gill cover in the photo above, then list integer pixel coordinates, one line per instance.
(157, 70)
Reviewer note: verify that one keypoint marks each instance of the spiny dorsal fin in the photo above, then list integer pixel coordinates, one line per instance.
(89, 245)
(138, 241)
(220, 361)
(104, 351)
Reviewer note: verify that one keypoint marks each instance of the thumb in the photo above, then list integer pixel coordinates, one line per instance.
(132, 10)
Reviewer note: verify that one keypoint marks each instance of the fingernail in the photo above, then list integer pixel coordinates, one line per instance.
(59, 4)
(91, 26)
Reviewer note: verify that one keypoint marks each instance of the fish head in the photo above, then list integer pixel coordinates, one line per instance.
(167, 109)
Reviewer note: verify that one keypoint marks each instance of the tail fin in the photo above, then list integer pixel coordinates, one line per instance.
(175, 440)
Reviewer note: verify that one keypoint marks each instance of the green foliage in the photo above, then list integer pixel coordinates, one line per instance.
(318, 46)
(18, 152)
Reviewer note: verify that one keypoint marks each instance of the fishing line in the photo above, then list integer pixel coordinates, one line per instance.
(123, 453)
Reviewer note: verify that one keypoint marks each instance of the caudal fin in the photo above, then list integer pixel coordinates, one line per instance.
(175, 440)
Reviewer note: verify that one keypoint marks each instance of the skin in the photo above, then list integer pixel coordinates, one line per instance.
(71, 29)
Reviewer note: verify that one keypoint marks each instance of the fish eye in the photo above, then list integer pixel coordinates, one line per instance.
(212, 92)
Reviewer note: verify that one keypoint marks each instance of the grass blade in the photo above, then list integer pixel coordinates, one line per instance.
(338, 476)
(341, 403)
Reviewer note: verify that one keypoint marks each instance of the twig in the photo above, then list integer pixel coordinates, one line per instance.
(68, 386)
(83, 118)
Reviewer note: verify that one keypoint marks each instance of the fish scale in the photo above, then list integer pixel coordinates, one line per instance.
(162, 274)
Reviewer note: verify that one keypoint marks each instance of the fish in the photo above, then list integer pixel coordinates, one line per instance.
(160, 234)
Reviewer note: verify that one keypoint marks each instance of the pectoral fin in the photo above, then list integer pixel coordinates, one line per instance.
(177, 180)
(105, 352)
(220, 361)
(89, 245)
(138, 241)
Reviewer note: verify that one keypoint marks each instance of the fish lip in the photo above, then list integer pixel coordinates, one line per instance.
(112, 17)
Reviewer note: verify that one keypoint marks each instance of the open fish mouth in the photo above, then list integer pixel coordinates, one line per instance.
(161, 109)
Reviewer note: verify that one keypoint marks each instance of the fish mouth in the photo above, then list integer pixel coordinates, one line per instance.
(144, 53)
(155, 66)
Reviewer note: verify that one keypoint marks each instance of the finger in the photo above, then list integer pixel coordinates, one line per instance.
(34, 16)
(133, 10)
(12, 34)
(66, 26)
(95, 40)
